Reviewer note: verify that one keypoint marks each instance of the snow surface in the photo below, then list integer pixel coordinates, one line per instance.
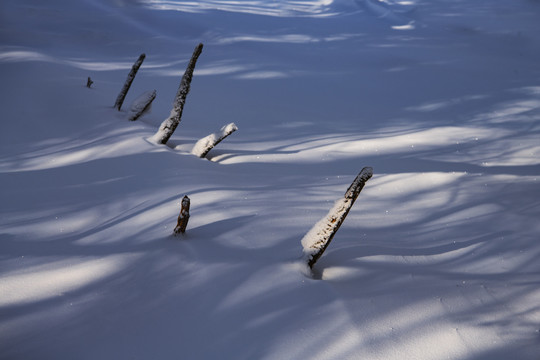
(438, 259)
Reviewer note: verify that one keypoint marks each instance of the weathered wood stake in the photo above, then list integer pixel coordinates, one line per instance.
(183, 217)
(129, 80)
(319, 237)
(168, 126)
(141, 104)
(204, 145)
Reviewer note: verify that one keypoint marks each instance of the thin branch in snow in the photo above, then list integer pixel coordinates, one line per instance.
(204, 145)
(168, 126)
(129, 80)
(141, 104)
(183, 217)
(319, 237)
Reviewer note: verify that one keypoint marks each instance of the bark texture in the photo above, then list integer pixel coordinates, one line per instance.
(168, 126)
(319, 237)
(122, 95)
(183, 217)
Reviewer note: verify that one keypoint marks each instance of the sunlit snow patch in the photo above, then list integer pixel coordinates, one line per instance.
(409, 26)
(278, 8)
(48, 281)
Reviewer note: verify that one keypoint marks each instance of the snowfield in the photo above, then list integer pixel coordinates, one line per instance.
(438, 258)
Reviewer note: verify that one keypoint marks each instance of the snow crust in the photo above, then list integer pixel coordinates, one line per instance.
(438, 259)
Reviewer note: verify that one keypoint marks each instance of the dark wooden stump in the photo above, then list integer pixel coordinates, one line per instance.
(183, 217)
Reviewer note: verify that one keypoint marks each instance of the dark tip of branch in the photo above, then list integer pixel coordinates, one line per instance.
(198, 50)
(358, 183)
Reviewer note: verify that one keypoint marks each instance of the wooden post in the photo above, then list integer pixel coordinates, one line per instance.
(141, 104)
(183, 217)
(168, 126)
(129, 80)
(204, 145)
(319, 237)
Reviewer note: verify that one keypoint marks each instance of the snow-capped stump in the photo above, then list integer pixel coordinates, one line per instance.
(168, 126)
(183, 217)
(319, 237)
(141, 104)
(129, 80)
(204, 145)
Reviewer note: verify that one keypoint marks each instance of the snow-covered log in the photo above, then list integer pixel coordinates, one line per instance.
(183, 217)
(204, 145)
(129, 80)
(168, 126)
(141, 104)
(319, 237)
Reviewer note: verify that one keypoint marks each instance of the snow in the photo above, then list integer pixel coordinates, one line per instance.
(438, 258)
